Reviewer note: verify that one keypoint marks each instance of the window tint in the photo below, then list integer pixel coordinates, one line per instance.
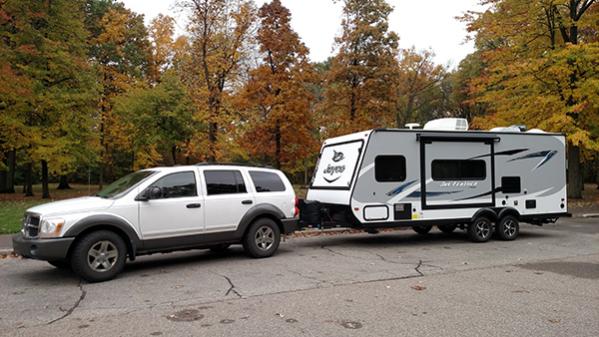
(177, 185)
(510, 184)
(267, 181)
(224, 182)
(458, 170)
(390, 168)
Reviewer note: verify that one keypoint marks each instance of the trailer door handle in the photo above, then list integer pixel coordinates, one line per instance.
(193, 205)
(247, 202)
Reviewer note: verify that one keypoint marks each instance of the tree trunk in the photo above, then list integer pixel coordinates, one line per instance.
(45, 189)
(597, 172)
(278, 144)
(28, 185)
(63, 183)
(3, 176)
(212, 142)
(10, 176)
(574, 172)
(174, 154)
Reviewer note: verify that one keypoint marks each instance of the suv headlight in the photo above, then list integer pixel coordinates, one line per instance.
(50, 228)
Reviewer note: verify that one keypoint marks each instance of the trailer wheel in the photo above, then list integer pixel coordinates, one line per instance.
(480, 230)
(447, 229)
(508, 228)
(423, 229)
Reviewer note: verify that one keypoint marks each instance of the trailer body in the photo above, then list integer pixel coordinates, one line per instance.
(401, 177)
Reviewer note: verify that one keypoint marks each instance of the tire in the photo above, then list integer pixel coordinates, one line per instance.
(262, 238)
(99, 256)
(480, 230)
(508, 228)
(424, 229)
(447, 229)
(61, 264)
(220, 249)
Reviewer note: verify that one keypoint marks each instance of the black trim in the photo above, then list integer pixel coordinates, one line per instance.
(410, 223)
(428, 139)
(351, 181)
(373, 206)
(42, 249)
(108, 221)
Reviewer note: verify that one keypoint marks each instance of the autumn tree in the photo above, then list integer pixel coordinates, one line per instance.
(360, 86)
(277, 96)
(541, 71)
(120, 49)
(220, 32)
(45, 45)
(420, 97)
(161, 32)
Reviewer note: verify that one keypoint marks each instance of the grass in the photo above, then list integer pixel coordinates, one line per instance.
(13, 206)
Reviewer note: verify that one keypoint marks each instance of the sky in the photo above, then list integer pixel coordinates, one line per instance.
(423, 24)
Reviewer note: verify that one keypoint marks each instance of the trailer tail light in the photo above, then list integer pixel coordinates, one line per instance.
(296, 208)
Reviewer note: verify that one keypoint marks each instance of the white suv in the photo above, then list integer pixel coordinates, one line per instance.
(160, 210)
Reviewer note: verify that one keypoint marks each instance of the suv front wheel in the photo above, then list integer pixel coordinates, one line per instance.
(99, 256)
(262, 238)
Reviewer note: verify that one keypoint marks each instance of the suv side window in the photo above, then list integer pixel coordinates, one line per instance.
(177, 185)
(267, 181)
(224, 182)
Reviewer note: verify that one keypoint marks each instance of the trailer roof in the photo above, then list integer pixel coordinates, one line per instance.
(486, 132)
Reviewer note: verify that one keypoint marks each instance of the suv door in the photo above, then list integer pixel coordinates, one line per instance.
(227, 199)
(179, 211)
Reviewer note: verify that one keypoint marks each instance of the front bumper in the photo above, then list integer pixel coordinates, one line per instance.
(289, 225)
(42, 249)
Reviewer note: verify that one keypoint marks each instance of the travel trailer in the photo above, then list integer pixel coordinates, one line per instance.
(485, 182)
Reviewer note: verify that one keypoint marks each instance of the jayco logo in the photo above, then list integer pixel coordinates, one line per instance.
(334, 172)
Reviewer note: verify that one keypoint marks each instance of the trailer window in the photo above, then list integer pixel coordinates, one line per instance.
(390, 168)
(459, 170)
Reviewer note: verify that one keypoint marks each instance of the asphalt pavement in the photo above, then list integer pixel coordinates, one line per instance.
(399, 283)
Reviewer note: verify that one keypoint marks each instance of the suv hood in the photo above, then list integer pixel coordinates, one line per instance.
(70, 206)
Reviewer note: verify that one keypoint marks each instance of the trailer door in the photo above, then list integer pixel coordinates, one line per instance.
(457, 171)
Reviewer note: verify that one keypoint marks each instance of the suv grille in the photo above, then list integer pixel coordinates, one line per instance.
(31, 225)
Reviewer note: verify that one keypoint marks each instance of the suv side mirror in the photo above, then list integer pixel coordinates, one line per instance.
(153, 192)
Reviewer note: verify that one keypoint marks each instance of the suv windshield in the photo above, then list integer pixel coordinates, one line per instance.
(123, 184)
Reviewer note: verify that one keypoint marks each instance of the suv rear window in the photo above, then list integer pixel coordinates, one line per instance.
(267, 181)
(224, 182)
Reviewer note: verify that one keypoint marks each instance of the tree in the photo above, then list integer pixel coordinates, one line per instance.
(120, 49)
(159, 120)
(161, 33)
(277, 94)
(45, 43)
(220, 31)
(360, 86)
(419, 87)
(541, 71)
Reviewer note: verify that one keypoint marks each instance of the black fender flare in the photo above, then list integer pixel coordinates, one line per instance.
(486, 212)
(508, 211)
(109, 222)
(259, 210)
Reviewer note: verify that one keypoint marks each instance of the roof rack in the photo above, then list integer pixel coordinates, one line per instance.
(234, 164)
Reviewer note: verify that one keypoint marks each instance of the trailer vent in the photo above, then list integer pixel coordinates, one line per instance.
(447, 124)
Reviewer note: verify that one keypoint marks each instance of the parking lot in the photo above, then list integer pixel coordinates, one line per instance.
(546, 283)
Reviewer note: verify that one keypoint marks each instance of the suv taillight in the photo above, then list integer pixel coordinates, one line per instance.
(296, 209)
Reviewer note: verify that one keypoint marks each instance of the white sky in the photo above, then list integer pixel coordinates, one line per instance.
(424, 24)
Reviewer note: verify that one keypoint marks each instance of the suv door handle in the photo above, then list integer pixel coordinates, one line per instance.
(193, 205)
(247, 202)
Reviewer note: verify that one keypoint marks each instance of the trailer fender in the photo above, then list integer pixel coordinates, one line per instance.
(508, 211)
(486, 212)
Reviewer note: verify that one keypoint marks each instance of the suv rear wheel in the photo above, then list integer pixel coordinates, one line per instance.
(262, 238)
(423, 229)
(99, 256)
